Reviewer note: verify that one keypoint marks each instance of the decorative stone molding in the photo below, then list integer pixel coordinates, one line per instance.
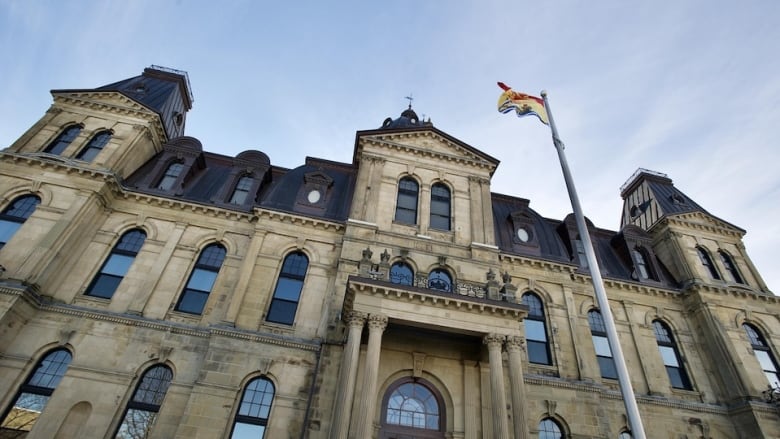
(377, 321)
(418, 361)
(493, 340)
(355, 319)
(515, 343)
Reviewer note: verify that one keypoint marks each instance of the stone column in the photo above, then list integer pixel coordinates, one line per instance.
(347, 376)
(376, 325)
(514, 347)
(500, 425)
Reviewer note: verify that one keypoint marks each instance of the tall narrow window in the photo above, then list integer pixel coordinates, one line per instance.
(671, 356)
(731, 268)
(170, 177)
(142, 410)
(706, 261)
(94, 146)
(252, 416)
(241, 190)
(581, 253)
(440, 280)
(406, 205)
(202, 279)
(440, 207)
(115, 268)
(63, 140)
(641, 264)
(536, 330)
(549, 429)
(13, 216)
(598, 332)
(764, 355)
(401, 273)
(34, 394)
(287, 293)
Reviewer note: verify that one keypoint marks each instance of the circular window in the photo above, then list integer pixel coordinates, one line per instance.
(523, 235)
(314, 196)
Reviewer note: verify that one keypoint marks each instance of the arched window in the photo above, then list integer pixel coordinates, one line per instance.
(406, 204)
(671, 356)
(171, 175)
(536, 330)
(252, 416)
(641, 264)
(115, 268)
(13, 216)
(287, 293)
(598, 332)
(401, 273)
(549, 429)
(412, 408)
(94, 146)
(763, 354)
(242, 189)
(66, 137)
(35, 393)
(143, 408)
(202, 279)
(706, 261)
(440, 280)
(731, 268)
(440, 207)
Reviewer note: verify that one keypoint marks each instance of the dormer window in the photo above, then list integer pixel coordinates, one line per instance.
(170, 177)
(241, 190)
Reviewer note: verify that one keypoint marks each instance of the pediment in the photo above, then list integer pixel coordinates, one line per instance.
(427, 142)
(705, 221)
(106, 99)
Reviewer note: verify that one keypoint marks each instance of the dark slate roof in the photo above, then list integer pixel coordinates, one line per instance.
(550, 245)
(408, 119)
(164, 91)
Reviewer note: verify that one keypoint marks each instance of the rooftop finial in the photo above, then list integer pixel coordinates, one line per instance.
(410, 100)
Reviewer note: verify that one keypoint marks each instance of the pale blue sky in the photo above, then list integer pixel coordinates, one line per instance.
(688, 88)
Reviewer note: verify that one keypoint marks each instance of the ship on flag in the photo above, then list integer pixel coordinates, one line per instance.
(522, 103)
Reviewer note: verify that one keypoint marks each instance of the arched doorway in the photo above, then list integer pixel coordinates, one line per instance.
(412, 408)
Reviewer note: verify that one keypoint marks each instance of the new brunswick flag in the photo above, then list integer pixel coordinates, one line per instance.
(522, 103)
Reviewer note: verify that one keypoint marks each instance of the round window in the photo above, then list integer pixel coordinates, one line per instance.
(522, 234)
(314, 196)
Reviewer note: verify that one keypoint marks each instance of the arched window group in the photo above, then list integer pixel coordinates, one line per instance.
(407, 204)
(536, 330)
(14, 215)
(241, 191)
(201, 281)
(34, 394)
(598, 333)
(287, 293)
(116, 265)
(671, 356)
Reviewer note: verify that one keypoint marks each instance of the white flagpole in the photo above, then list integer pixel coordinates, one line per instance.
(632, 410)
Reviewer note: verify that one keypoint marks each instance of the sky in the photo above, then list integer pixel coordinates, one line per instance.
(687, 88)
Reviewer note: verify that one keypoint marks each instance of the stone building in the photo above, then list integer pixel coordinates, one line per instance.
(153, 289)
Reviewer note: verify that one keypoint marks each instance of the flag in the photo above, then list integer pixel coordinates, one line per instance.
(522, 103)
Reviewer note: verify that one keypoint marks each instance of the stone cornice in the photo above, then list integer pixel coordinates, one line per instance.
(123, 106)
(44, 305)
(391, 141)
(735, 291)
(688, 220)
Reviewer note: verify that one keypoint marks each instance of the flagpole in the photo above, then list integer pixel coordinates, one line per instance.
(632, 410)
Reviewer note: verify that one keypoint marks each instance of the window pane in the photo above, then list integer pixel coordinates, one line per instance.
(537, 352)
(295, 264)
(118, 265)
(202, 279)
(534, 305)
(440, 222)
(602, 346)
(247, 431)
(24, 413)
(288, 289)
(406, 216)
(7, 230)
(773, 378)
(136, 424)
(669, 356)
(193, 301)
(766, 360)
(131, 241)
(104, 286)
(607, 367)
(51, 369)
(534, 330)
(401, 274)
(282, 311)
(153, 386)
(676, 378)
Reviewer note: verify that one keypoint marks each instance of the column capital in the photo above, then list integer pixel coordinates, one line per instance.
(515, 344)
(355, 319)
(493, 340)
(377, 321)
